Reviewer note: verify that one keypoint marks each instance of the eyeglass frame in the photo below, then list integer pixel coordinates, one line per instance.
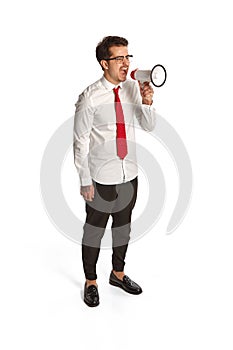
(118, 58)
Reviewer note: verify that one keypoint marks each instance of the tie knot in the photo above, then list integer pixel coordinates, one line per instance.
(116, 90)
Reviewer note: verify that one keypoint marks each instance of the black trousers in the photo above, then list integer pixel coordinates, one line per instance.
(117, 201)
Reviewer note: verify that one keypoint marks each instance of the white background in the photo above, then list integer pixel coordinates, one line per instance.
(47, 59)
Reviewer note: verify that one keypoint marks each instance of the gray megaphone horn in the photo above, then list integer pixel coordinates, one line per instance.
(157, 75)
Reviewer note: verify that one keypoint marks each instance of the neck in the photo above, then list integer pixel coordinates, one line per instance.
(110, 79)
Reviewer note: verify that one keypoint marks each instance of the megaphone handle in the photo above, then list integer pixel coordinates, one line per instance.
(141, 84)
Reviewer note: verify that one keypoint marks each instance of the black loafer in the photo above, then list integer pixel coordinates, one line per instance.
(127, 284)
(91, 295)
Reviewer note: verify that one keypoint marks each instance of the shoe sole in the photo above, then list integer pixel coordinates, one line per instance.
(90, 305)
(115, 284)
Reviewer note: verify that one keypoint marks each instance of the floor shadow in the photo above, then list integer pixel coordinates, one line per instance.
(71, 278)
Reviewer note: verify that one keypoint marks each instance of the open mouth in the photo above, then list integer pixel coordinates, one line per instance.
(124, 71)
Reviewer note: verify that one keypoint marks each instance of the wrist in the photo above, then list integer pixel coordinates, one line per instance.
(147, 102)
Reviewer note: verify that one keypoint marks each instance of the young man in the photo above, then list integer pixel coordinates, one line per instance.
(105, 157)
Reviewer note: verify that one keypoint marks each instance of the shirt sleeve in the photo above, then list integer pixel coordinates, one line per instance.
(83, 121)
(145, 114)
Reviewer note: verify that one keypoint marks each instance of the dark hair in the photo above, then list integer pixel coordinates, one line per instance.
(102, 49)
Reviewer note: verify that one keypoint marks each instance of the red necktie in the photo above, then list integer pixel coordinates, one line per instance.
(120, 124)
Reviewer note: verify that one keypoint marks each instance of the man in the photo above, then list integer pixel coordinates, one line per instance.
(105, 157)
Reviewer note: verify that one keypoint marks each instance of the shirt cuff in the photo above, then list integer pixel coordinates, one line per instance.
(86, 181)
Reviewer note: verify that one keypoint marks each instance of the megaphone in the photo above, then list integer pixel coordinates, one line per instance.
(157, 75)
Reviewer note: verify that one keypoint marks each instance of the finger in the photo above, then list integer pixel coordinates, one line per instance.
(85, 195)
(148, 92)
(148, 88)
(92, 192)
(148, 96)
(89, 197)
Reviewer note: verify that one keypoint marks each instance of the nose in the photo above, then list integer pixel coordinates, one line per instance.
(126, 61)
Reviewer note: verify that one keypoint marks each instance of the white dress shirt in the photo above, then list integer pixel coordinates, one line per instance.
(95, 153)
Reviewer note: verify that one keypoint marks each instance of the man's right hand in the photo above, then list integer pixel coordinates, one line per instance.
(87, 192)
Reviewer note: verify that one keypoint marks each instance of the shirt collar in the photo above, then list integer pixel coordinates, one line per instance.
(108, 85)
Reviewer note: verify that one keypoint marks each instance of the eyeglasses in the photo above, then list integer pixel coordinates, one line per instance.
(119, 59)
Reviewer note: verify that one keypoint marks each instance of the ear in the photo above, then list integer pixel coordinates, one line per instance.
(104, 64)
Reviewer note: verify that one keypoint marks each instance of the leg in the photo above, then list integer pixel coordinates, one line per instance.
(121, 227)
(121, 234)
(94, 228)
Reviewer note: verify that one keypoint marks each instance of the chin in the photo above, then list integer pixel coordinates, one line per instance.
(123, 79)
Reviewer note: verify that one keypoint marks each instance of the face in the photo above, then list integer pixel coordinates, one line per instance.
(114, 71)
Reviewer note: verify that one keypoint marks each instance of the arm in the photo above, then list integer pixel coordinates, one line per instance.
(146, 92)
(145, 112)
(83, 121)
